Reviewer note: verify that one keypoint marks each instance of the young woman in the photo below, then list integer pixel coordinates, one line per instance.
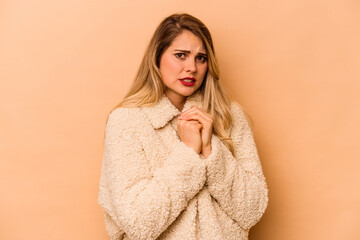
(180, 161)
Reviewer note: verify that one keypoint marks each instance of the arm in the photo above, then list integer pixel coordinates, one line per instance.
(237, 182)
(141, 202)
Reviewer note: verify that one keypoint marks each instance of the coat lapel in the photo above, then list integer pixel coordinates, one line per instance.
(164, 111)
(159, 134)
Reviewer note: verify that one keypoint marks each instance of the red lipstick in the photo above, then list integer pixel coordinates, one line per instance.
(187, 82)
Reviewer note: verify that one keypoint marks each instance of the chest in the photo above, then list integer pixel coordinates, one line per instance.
(158, 143)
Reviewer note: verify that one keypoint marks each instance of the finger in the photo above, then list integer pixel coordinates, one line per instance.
(193, 109)
(198, 126)
(207, 116)
(198, 117)
(193, 124)
(187, 111)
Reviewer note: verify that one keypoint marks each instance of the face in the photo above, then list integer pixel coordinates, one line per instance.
(184, 58)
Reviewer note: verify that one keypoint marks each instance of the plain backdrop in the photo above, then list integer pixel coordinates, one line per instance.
(293, 65)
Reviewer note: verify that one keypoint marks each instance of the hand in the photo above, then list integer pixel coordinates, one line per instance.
(189, 133)
(206, 120)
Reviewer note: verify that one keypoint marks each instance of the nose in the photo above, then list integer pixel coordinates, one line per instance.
(190, 65)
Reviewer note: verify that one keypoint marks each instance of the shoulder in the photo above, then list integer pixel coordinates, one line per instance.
(125, 118)
(237, 111)
(240, 118)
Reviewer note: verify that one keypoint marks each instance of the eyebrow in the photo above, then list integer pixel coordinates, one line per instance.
(188, 51)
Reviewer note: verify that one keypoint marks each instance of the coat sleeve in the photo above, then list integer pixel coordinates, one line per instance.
(237, 182)
(141, 202)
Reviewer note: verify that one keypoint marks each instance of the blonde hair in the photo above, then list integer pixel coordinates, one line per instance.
(148, 88)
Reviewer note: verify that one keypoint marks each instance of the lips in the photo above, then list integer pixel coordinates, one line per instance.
(188, 81)
(188, 78)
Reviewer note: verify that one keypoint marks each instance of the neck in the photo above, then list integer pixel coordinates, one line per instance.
(177, 100)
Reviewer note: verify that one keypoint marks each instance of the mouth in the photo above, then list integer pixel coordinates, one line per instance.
(188, 79)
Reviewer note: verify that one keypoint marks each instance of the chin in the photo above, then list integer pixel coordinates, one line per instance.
(188, 93)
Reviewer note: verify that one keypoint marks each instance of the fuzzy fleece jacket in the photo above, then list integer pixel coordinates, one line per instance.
(153, 186)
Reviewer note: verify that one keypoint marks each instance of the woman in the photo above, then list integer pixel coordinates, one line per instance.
(180, 161)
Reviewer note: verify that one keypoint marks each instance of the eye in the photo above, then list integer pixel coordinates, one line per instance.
(179, 55)
(202, 58)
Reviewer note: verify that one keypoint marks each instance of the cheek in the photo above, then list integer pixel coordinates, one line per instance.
(169, 66)
(203, 69)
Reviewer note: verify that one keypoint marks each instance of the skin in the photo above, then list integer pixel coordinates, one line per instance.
(194, 125)
(198, 115)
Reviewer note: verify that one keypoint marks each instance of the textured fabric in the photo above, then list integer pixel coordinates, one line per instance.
(153, 186)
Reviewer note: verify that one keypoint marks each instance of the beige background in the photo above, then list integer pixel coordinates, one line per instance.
(293, 65)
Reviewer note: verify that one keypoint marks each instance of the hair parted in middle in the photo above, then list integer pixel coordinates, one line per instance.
(148, 87)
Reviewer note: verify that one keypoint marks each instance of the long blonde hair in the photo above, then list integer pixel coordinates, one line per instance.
(148, 88)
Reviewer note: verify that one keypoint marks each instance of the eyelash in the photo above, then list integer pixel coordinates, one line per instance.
(203, 58)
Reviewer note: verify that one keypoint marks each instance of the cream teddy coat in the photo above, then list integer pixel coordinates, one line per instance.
(153, 186)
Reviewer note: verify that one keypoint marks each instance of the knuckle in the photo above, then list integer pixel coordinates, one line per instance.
(180, 123)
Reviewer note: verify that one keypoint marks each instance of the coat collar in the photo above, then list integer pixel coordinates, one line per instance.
(163, 111)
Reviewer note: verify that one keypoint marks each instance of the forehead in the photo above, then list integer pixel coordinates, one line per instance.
(188, 41)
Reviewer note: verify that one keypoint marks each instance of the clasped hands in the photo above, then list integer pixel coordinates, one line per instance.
(195, 130)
